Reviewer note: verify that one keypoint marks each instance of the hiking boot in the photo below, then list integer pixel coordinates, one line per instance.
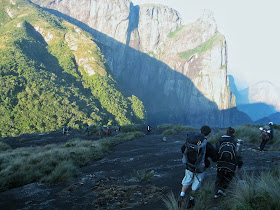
(181, 201)
(219, 194)
(191, 203)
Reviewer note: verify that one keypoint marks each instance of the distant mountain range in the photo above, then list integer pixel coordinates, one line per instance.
(260, 100)
(275, 118)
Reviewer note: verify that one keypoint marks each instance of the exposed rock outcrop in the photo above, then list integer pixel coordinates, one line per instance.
(179, 72)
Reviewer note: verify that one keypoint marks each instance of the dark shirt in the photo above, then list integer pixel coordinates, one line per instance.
(239, 160)
(210, 152)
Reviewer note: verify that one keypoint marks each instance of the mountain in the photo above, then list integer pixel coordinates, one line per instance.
(263, 92)
(275, 118)
(259, 100)
(178, 71)
(53, 74)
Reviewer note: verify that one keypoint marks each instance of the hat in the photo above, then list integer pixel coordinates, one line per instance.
(270, 123)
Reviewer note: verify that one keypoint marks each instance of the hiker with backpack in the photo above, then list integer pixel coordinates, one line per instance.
(195, 152)
(229, 156)
(267, 133)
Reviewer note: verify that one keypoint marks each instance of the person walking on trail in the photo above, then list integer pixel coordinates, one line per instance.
(267, 131)
(229, 156)
(108, 131)
(88, 129)
(148, 129)
(194, 154)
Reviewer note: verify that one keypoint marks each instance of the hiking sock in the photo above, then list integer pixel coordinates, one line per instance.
(182, 194)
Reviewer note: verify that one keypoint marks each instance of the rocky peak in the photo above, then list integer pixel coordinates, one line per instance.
(172, 67)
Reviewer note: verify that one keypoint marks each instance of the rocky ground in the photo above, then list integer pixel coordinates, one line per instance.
(135, 174)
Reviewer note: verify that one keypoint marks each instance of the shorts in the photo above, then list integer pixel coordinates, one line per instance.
(193, 179)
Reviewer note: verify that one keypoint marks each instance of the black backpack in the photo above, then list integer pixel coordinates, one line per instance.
(227, 154)
(193, 154)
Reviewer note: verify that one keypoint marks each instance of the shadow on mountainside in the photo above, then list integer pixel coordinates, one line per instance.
(168, 96)
(135, 174)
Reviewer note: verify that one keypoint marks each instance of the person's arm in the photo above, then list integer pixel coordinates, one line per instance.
(211, 152)
(239, 162)
(183, 148)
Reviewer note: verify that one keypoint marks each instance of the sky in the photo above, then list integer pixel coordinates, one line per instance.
(252, 31)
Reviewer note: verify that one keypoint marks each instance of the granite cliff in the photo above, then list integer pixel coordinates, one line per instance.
(178, 71)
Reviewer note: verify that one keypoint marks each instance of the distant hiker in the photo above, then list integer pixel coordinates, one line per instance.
(88, 129)
(108, 131)
(267, 133)
(63, 130)
(229, 156)
(67, 130)
(194, 154)
(148, 129)
(119, 129)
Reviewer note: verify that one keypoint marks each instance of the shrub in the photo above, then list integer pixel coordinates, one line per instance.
(131, 128)
(171, 129)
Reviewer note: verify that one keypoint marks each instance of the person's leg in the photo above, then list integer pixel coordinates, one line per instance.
(197, 181)
(219, 180)
(186, 182)
(228, 176)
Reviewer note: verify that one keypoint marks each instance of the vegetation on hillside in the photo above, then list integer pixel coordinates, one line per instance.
(42, 86)
(171, 129)
(217, 37)
(173, 33)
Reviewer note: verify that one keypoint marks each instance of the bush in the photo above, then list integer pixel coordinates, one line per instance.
(131, 128)
(171, 129)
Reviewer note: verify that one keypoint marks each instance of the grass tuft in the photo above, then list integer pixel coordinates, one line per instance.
(53, 163)
(171, 129)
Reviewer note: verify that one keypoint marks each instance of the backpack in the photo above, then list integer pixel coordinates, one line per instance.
(227, 154)
(194, 155)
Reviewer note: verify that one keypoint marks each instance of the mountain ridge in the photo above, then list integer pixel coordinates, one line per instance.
(172, 97)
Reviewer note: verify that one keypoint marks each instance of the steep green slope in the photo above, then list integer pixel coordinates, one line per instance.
(53, 74)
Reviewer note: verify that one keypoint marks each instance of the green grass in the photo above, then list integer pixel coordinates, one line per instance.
(171, 129)
(173, 33)
(53, 163)
(247, 192)
(202, 48)
(131, 128)
(255, 191)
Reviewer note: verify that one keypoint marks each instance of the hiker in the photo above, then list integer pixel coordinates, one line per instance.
(229, 156)
(267, 133)
(63, 130)
(194, 156)
(88, 129)
(148, 129)
(108, 131)
(67, 130)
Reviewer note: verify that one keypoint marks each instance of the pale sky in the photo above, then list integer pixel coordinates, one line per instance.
(252, 31)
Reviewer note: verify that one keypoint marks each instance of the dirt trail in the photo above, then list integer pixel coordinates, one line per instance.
(134, 175)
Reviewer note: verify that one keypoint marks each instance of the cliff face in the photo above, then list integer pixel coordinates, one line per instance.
(178, 71)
